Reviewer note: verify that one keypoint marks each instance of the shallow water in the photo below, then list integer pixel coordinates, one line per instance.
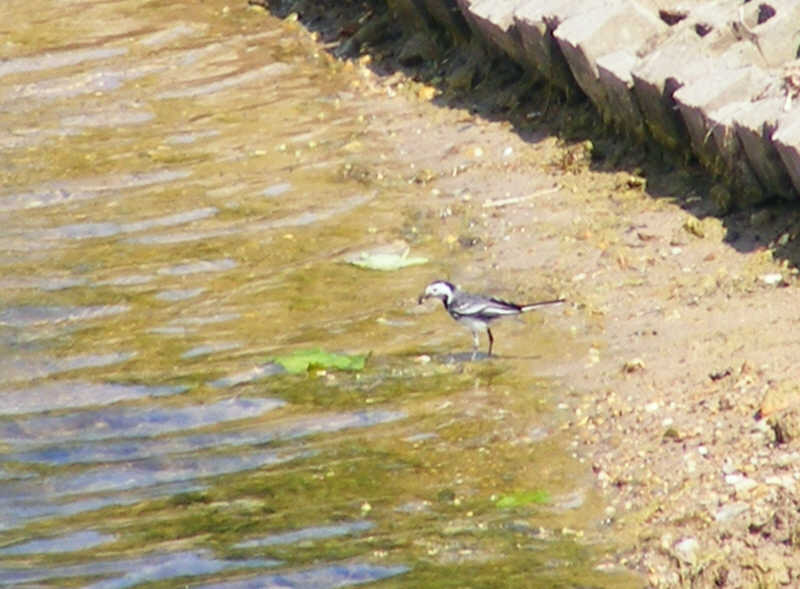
(177, 195)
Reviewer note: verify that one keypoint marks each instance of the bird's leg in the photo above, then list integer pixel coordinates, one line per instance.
(476, 343)
(491, 340)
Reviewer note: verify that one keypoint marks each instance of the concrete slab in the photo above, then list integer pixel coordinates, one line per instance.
(535, 21)
(614, 71)
(447, 14)
(465, 7)
(604, 29)
(408, 13)
(787, 141)
(773, 26)
(690, 75)
(734, 166)
(755, 124)
(657, 77)
(709, 92)
(495, 20)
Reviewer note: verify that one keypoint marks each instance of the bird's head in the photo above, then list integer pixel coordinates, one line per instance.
(440, 289)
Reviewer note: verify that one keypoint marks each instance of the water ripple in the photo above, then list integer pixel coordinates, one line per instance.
(305, 534)
(127, 280)
(310, 217)
(58, 544)
(125, 422)
(181, 294)
(170, 220)
(101, 449)
(269, 70)
(277, 189)
(47, 61)
(25, 511)
(323, 577)
(108, 228)
(249, 375)
(185, 138)
(111, 117)
(199, 267)
(88, 188)
(23, 97)
(119, 477)
(26, 316)
(72, 394)
(13, 369)
(47, 283)
(133, 571)
(176, 31)
(212, 348)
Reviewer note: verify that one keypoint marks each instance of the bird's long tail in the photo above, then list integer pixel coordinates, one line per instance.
(532, 306)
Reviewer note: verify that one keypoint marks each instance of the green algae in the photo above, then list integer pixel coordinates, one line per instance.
(302, 361)
(521, 498)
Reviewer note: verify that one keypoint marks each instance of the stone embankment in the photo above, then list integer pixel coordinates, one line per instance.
(719, 79)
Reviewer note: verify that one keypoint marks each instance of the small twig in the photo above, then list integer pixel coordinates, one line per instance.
(518, 199)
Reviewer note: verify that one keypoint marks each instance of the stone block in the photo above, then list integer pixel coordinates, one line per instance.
(712, 21)
(787, 142)
(408, 13)
(535, 21)
(587, 36)
(495, 21)
(755, 124)
(614, 71)
(681, 58)
(733, 164)
(773, 27)
(708, 93)
(448, 16)
(465, 7)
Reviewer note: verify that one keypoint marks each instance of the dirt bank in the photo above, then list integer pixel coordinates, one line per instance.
(679, 349)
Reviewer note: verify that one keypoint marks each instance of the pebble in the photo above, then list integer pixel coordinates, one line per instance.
(740, 483)
(787, 459)
(687, 549)
(691, 465)
(772, 279)
(730, 511)
(786, 481)
(571, 501)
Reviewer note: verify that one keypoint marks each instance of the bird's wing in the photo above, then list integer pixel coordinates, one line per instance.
(475, 306)
(499, 307)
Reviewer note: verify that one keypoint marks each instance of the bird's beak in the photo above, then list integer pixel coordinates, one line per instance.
(422, 298)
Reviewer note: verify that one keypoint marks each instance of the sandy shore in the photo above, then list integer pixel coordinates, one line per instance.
(680, 347)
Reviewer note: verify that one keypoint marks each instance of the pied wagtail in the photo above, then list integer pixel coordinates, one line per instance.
(476, 311)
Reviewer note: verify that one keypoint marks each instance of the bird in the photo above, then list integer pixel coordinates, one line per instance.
(476, 311)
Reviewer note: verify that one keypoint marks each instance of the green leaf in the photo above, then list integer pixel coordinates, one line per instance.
(521, 498)
(386, 258)
(305, 360)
